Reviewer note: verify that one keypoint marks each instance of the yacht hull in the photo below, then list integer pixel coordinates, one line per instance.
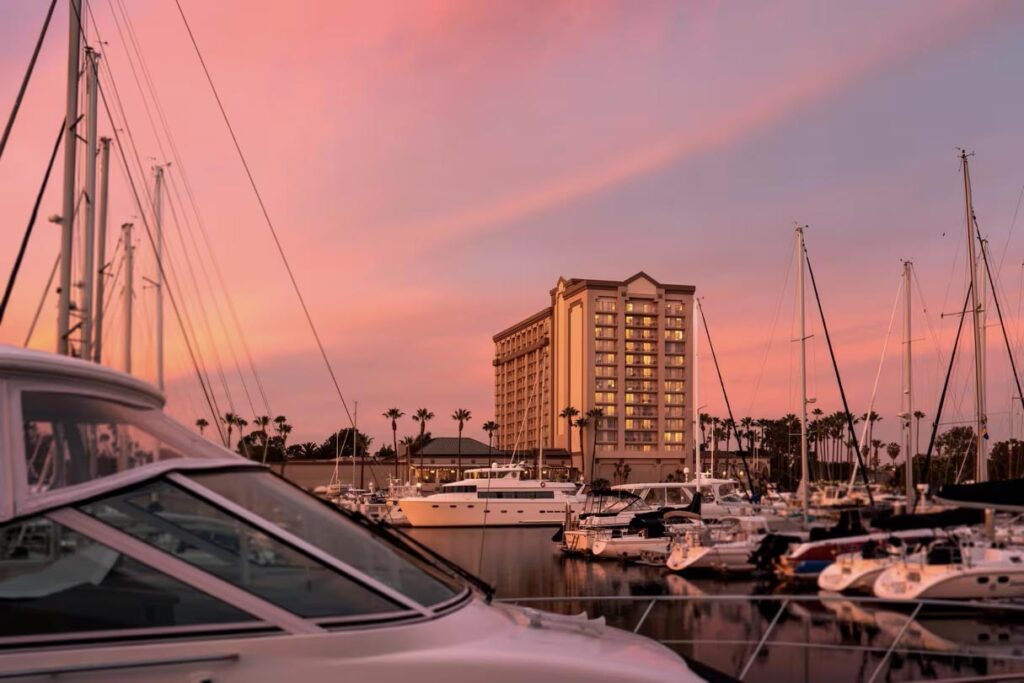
(430, 512)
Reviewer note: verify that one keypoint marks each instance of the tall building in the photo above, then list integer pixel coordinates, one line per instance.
(623, 347)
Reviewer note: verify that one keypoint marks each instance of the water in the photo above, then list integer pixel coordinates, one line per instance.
(812, 640)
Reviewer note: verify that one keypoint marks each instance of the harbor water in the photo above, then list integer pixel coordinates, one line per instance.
(722, 622)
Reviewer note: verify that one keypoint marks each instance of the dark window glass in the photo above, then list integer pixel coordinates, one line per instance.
(297, 512)
(196, 532)
(53, 580)
(71, 439)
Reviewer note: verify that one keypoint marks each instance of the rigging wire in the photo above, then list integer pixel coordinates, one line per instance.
(728, 407)
(266, 213)
(143, 67)
(31, 221)
(942, 397)
(142, 173)
(839, 379)
(42, 300)
(24, 81)
(771, 333)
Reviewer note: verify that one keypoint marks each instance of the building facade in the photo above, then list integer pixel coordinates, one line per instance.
(621, 347)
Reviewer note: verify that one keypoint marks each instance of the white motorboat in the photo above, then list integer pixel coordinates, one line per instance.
(956, 569)
(726, 545)
(131, 547)
(602, 510)
(646, 536)
(857, 572)
(494, 496)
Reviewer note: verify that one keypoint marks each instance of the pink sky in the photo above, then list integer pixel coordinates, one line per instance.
(434, 167)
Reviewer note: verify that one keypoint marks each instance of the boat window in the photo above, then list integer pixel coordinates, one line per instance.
(71, 439)
(54, 580)
(676, 496)
(451, 488)
(312, 521)
(187, 527)
(516, 494)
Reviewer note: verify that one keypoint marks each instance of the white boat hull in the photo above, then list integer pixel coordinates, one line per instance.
(733, 557)
(912, 581)
(853, 573)
(430, 512)
(626, 547)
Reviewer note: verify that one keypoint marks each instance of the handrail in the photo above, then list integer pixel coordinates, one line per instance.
(115, 666)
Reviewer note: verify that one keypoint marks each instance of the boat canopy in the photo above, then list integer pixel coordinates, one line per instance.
(999, 495)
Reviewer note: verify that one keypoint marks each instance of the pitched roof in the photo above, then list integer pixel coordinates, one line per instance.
(449, 445)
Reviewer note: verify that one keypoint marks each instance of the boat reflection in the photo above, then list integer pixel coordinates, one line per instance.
(722, 622)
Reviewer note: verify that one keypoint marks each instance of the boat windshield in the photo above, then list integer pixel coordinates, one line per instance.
(182, 522)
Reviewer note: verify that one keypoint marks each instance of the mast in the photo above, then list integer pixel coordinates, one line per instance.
(805, 483)
(158, 182)
(909, 440)
(129, 252)
(696, 401)
(101, 250)
(355, 446)
(70, 146)
(87, 308)
(980, 471)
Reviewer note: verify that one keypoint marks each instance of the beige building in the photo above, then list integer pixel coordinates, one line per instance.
(623, 347)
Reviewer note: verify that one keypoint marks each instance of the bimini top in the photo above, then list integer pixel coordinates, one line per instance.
(70, 430)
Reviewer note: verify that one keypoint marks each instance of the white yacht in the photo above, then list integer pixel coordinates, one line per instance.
(132, 548)
(494, 496)
(725, 545)
(956, 569)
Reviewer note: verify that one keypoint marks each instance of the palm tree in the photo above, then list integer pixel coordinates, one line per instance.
(423, 416)
(229, 421)
(462, 416)
(263, 421)
(408, 442)
(242, 424)
(918, 416)
(393, 414)
(594, 415)
(581, 424)
(490, 427)
(569, 413)
(893, 451)
(202, 424)
(283, 429)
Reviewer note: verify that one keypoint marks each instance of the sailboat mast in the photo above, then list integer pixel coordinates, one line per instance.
(87, 307)
(541, 374)
(805, 482)
(909, 441)
(158, 182)
(129, 268)
(981, 469)
(67, 224)
(696, 403)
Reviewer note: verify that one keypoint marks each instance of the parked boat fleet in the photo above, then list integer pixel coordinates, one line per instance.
(943, 554)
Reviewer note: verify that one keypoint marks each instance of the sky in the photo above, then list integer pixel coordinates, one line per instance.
(432, 168)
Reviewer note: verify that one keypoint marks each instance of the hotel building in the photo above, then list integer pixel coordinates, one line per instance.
(623, 347)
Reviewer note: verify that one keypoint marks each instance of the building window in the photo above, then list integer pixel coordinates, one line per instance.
(608, 423)
(604, 332)
(605, 447)
(675, 424)
(641, 321)
(606, 359)
(604, 344)
(673, 335)
(674, 411)
(646, 448)
(604, 397)
(606, 436)
(610, 410)
(671, 399)
(634, 333)
(641, 307)
(674, 385)
(644, 423)
(673, 437)
(675, 361)
(643, 346)
(605, 384)
(604, 319)
(641, 359)
(641, 385)
(674, 322)
(675, 307)
(607, 305)
(605, 371)
(674, 347)
(675, 373)
(641, 411)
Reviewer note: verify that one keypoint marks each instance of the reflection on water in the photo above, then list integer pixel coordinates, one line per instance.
(804, 644)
